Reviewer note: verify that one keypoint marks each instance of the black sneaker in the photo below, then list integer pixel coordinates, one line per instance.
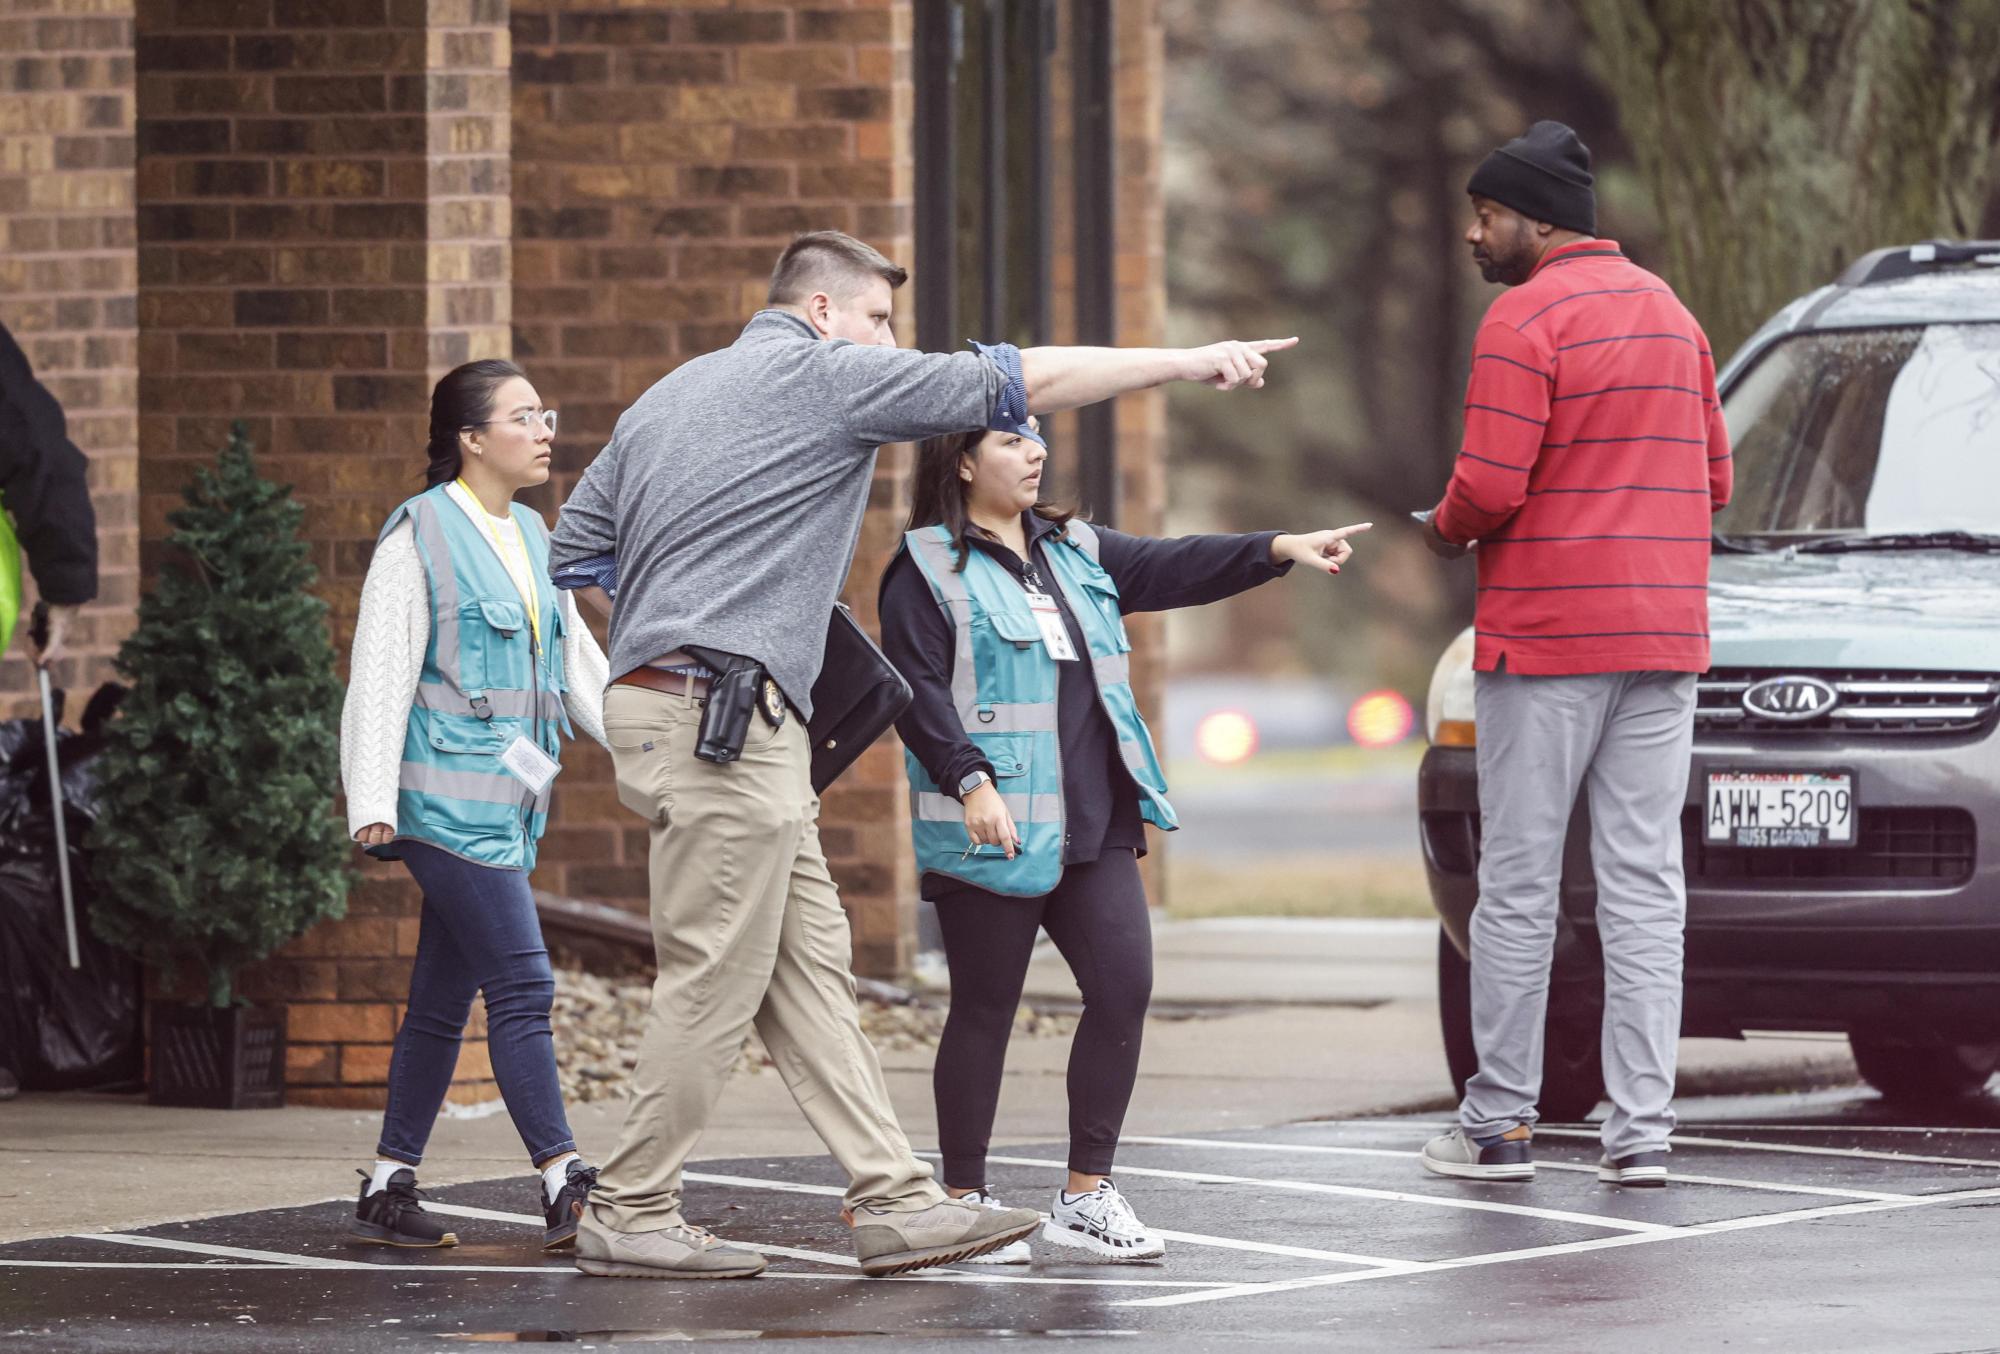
(1647, 1170)
(567, 1210)
(391, 1216)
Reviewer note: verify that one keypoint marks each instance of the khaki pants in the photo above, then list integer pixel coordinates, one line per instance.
(749, 930)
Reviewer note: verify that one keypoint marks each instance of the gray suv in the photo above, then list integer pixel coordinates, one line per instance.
(1842, 821)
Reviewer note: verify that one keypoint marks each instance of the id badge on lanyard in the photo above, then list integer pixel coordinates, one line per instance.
(1055, 635)
(530, 765)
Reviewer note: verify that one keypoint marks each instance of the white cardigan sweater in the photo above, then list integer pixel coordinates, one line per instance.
(390, 637)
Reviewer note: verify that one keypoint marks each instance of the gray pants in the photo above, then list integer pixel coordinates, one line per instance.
(1626, 736)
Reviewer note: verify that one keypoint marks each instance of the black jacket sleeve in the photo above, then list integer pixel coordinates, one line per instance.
(43, 484)
(917, 637)
(1160, 574)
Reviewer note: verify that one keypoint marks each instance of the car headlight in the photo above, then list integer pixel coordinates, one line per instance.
(1448, 709)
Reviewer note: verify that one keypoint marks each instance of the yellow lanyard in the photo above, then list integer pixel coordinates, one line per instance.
(531, 594)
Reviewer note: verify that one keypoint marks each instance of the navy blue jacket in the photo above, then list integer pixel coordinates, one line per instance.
(43, 484)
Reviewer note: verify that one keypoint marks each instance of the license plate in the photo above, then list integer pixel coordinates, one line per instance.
(1780, 808)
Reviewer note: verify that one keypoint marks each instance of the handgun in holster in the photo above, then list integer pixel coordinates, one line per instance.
(733, 693)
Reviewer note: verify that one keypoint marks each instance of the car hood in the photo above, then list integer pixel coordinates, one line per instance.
(1921, 609)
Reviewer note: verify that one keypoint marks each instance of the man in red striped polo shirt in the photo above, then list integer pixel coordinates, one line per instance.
(1595, 453)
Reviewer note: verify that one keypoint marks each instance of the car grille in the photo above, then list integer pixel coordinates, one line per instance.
(1871, 703)
(1898, 848)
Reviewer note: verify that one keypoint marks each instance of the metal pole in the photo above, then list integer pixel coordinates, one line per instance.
(39, 631)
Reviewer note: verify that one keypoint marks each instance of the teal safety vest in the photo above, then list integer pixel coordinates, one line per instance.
(1003, 683)
(483, 685)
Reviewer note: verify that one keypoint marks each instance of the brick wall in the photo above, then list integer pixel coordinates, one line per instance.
(323, 232)
(663, 156)
(68, 286)
(323, 215)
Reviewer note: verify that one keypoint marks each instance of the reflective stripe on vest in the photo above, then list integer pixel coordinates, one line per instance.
(1004, 689)
(483, 685)
(10, 581)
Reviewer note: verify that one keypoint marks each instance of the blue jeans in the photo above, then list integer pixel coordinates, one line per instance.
(479, 934)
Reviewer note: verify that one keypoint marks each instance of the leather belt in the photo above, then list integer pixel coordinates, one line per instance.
(668, 683)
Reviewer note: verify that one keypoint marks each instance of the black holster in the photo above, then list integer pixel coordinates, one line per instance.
(732, 697)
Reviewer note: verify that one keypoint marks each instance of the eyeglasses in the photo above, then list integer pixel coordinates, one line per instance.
(526, 420)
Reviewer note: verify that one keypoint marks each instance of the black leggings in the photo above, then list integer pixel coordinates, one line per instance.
(1097, 918)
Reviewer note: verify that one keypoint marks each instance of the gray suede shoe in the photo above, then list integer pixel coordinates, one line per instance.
(945, 1233)
(678, 1252)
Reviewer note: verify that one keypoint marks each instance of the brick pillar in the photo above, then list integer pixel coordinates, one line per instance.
(68, 288)
(663, 156)
(1139, 84)
(323, 232)
(1138, 56)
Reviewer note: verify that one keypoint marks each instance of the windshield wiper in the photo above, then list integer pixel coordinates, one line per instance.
(1976, 542)
(1734, 545)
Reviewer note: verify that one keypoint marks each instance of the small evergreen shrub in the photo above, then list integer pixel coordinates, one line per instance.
(216, 841)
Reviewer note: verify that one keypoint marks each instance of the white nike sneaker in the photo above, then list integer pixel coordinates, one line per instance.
(1016, 1253)
(1103, 1224)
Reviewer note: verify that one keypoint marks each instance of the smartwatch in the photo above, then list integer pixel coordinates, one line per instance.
(971, 783)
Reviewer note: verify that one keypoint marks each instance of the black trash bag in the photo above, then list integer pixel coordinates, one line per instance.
(60, 1028)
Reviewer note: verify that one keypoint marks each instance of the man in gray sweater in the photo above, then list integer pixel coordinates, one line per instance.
(731, 494)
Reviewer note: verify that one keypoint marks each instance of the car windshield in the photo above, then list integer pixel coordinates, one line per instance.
(1867, 432)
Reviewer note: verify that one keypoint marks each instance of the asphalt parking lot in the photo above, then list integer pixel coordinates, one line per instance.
(1800, 1222)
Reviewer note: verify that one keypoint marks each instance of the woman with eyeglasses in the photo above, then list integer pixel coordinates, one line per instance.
(1031, 776)
(468, 667)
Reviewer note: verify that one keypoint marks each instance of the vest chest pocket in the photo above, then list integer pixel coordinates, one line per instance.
(494, 646)
(1101, 593)
(1007, 649)
(557, 647)
(464, 736)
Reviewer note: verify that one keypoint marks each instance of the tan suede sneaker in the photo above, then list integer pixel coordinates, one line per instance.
(943, 1234)
(678, 1252)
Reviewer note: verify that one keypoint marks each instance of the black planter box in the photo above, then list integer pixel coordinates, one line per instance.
(220, 1058)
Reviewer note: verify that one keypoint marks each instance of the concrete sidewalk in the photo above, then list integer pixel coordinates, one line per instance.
(1257, 1022)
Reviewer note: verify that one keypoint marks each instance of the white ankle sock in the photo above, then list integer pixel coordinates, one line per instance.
(384, 1168)
(554, 1177)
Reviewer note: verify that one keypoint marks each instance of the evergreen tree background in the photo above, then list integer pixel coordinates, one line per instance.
(1783, 139)
(217, 842)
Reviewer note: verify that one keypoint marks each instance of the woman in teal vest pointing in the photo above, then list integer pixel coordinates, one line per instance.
(468, 668)
(1031, 774)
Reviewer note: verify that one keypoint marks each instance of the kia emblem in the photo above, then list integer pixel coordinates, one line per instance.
(1790, 700)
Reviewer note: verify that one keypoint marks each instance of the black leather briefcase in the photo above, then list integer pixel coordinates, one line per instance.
(857, 697)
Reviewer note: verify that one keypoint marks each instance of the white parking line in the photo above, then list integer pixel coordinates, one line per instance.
(1565, 1248)
(1358, 1192)
(950, 1276)
(1185, 1238)
(847, 1262)
(751, 1182)
(1540, 1165)
(1224, 1243)
(276, 1260)
(141, 1264)
(226, 1252)
(1740, 1144)
(1922, 1131)
(530, 1220)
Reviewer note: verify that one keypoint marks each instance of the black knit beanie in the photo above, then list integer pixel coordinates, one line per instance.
(1544, 175)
